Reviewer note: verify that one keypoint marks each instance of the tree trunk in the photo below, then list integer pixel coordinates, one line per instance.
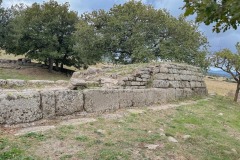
(57, 65)
(61, 66)
(237, 91)
(50, 62)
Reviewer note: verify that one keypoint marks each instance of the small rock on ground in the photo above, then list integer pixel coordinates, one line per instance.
(151, 146)
(185, 137)
(171, 139)
(100, 131)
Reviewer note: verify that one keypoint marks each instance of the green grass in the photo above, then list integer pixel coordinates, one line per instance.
(23, 74)
(212, 136)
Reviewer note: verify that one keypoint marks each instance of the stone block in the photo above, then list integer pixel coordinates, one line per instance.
(160, 84)
(163, 70)
(170, 94)
(187, 92)
(179, 93)
(185, 84)
(15, 82)
(139, 98)
(101, 100)
(160, 76)
(3, 82)
(155, 96)
(147, 76)
(134, 83)
(20, 107)
(48, 103)
(174, 84)
(125, 98)
(40, 82)
(68, 102)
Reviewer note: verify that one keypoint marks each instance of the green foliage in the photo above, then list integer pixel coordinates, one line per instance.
(43, 31)
(134, 32)
(224, 14)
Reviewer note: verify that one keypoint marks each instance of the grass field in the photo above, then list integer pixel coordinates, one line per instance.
(31, 74)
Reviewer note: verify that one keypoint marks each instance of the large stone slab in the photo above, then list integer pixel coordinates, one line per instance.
(125, 97)
(101, 100)
(16, 82)
(20, 107)
(68, 102)
(48, 103)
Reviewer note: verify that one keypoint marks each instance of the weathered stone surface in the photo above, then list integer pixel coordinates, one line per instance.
(145, 76)
(170, 94)
(155, 96)
(139, 98)
(187, 92)
(40, 82)
(3, 82)
(101, 100)
(179, 93)
(174, 84)
(68, 102)
(19, 107)
(184, 84)
(16, 82)
(160, 76)
(48, 103)
(163, 70)
(160, 84)
(125, 97)
(78, 82)
(62, 82)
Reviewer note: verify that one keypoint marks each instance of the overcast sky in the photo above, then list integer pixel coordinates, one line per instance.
(217, 41)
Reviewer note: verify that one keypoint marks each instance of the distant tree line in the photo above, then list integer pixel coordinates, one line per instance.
(128, 33)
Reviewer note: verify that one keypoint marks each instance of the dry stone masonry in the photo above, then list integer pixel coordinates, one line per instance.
(155, 84)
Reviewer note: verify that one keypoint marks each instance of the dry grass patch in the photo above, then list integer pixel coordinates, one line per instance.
(220, 86)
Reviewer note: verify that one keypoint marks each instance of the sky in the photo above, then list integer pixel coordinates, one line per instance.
(217, 41)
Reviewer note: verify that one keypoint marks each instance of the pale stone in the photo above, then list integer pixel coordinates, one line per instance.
(100, 100)
(171, 139)
(48, 103)
(160, 84)
(3, 82)
(16, 82)
(152, 146)
(185, 137)
(40, 82)
(20, 107)
(68, 102)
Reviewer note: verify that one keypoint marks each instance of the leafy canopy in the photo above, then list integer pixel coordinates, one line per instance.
(134, 32)
(223, 13)
(43, 31)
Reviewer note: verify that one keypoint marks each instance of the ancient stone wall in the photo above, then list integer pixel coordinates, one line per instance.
(147, 86)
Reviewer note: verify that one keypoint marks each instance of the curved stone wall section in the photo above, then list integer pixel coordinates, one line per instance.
(166, 76)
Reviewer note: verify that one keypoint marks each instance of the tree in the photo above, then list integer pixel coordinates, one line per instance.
(44, 32)
(6, 16)
(134, 32)
(224, 13)
(230, 63)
